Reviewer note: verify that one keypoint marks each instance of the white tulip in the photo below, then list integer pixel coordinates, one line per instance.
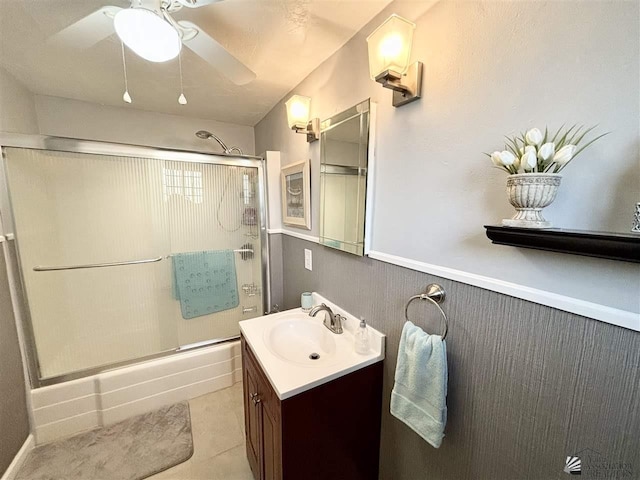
(529, 159)
(495, 158)
(533, 137)
(565, 154)
(516, 163)
(547, 151)
(507, 158)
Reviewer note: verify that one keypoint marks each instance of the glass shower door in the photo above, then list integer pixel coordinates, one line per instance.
(74, 213)
(126, 257)
(213, 209)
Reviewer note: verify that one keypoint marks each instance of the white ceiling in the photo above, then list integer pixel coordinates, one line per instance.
(282, 41)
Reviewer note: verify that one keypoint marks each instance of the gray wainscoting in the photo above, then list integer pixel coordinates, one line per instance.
(528, 384)
(14, 420)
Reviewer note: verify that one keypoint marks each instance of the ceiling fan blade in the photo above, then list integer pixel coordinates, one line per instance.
(197, 3)
(87, 31)
(215, 54)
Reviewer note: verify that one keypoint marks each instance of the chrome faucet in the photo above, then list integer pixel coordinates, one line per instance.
(333, 321)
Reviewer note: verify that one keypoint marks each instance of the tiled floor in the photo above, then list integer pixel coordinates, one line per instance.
(217, 422)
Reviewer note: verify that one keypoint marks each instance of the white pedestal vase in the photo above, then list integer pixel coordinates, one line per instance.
(529, 193)
(636, 220)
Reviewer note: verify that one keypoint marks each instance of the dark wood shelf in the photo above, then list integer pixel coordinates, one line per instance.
(613, 246)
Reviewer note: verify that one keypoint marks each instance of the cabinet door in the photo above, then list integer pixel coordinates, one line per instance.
(253, 420)
(271, 445)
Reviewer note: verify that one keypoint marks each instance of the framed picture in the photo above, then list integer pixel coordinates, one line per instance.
(296, 190)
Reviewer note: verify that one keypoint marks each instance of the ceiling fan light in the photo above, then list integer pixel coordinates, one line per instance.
(147, 34)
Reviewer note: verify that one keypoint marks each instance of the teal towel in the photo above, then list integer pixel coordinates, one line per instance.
(420, 391)
(205, 282)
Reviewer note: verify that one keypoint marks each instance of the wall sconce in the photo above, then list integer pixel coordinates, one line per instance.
(298, 108)
(389, 52)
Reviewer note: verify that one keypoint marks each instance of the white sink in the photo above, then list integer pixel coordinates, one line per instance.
(285, 343)
(302, 340)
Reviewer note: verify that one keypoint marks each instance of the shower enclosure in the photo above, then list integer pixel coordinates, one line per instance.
(114, 241)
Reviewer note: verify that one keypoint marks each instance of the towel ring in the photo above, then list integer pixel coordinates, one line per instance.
(435, 294)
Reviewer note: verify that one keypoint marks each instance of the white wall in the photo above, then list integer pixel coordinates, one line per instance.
(64, 117)
(17, 107)
(491, 69)
(23, 112)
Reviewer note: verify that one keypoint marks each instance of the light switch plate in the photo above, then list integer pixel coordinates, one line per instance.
(308, 259)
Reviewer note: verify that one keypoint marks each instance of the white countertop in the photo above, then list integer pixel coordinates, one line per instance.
(289, 378)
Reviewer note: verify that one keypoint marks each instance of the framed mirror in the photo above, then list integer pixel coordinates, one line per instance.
(346, 160)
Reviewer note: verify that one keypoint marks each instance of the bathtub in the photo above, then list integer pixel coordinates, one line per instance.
(77, 405)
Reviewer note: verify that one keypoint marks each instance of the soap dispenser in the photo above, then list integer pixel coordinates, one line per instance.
(361, 338)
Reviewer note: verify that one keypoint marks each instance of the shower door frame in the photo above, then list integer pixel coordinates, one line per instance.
(73, 145)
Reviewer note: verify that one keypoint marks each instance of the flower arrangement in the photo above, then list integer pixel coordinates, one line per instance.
(533, 152)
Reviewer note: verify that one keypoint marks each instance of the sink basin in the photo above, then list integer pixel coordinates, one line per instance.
(283, 343)
(302, 341)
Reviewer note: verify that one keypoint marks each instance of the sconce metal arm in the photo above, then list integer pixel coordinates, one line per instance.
(406, 88)
(312, 131)
(393, 80)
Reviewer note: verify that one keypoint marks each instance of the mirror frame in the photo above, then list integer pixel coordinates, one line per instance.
(368, 131)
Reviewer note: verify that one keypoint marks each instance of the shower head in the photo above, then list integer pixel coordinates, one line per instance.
(208, 135)
(204, 134)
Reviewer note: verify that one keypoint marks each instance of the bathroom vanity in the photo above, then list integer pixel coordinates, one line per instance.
(312, 405)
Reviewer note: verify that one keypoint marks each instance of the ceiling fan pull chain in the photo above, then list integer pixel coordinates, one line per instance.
(126, 97)
(182, 100)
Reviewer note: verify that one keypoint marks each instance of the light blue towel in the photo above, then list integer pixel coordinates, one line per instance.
(205, 282)
(419, 396)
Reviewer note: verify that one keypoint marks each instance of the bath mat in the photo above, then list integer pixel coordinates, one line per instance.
(133, 449)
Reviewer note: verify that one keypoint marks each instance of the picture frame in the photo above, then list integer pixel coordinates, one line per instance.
(296, 194)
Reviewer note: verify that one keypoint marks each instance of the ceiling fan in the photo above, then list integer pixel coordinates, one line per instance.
(149, 30)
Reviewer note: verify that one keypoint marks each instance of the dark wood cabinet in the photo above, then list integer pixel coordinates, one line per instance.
(329, 432)
(262, 419)
(252, 420)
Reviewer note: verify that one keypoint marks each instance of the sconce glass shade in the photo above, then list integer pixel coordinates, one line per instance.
(298, 108)
(147, 34)
(390, 46)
